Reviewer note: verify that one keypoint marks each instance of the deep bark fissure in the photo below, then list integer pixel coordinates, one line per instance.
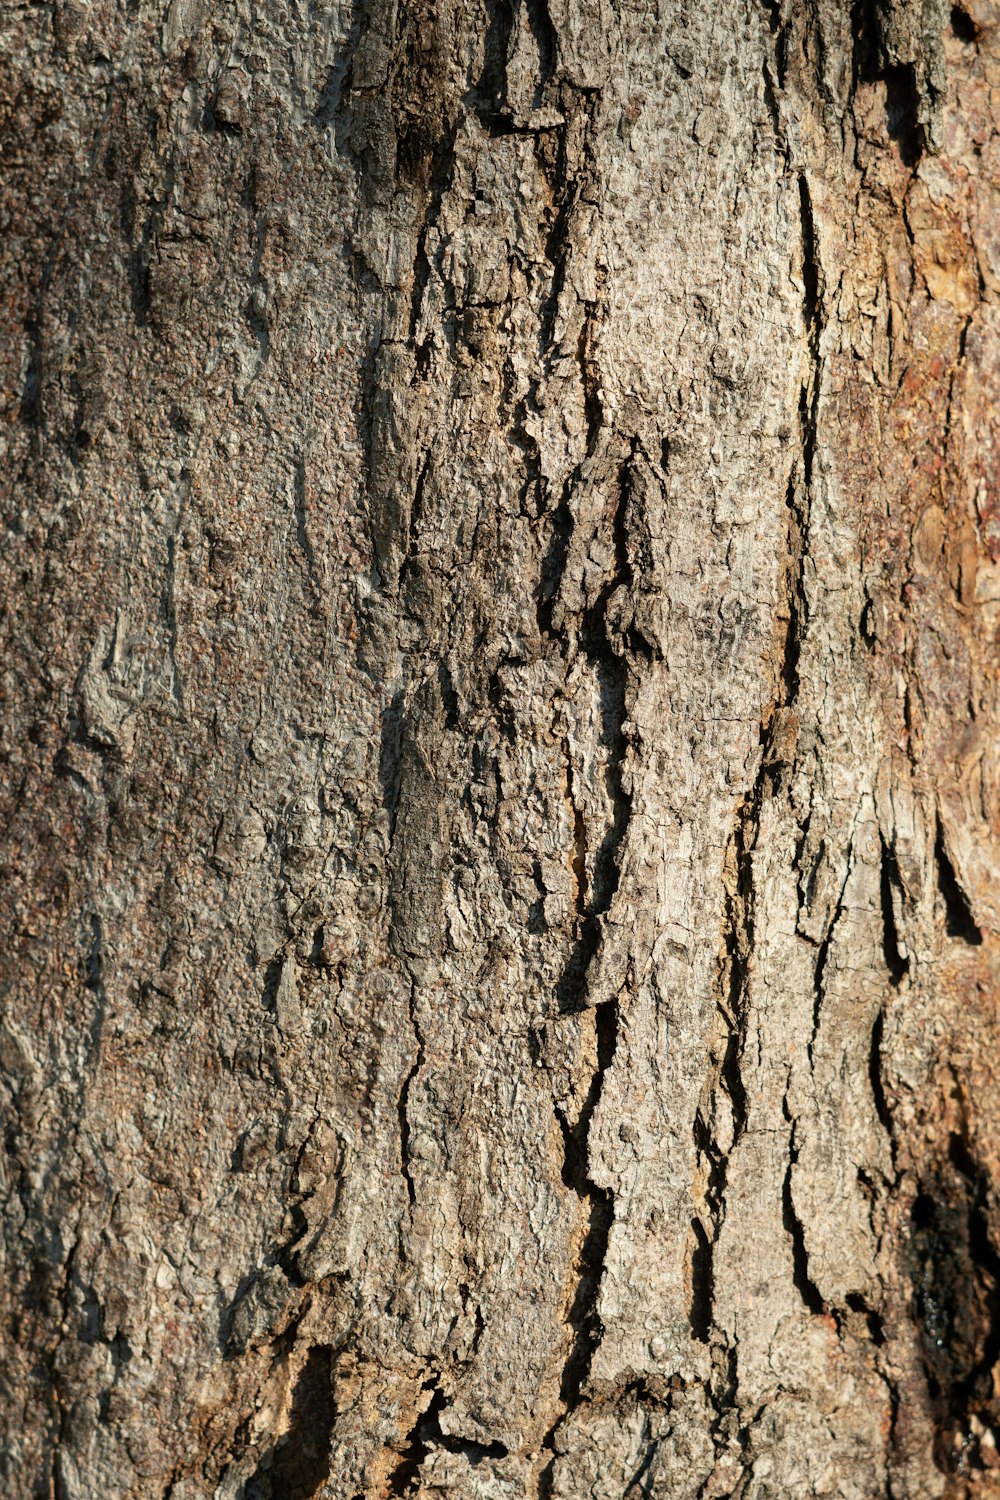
(702, 1283)
(611, 670)
(793, 1226)
(959, 921)
(897, 963)
(826, 943)
(404, 1097)
(875, 58)
(739, 945)
(579, 856)
(955, 1270)
(426, 1435)
(876, 1081)
(583, 1318)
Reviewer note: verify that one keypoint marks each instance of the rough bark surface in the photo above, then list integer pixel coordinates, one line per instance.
(501, 749)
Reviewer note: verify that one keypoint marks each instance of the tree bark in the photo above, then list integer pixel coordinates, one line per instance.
(501, 750)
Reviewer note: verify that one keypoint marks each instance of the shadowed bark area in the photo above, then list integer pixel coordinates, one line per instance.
(500, 771)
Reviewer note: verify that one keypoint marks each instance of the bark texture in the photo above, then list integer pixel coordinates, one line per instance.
(501, 749)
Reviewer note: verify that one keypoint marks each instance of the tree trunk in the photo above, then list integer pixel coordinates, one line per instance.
(501, 750)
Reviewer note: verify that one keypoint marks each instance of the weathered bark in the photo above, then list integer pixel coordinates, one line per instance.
(502, 786)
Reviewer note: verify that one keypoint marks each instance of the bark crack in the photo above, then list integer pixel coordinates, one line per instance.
(959, 921)
(426, 1435)
(897, 960)
(605, 655)
(823, 953)
(801, 1279)
(583, 1317)
(402, 1106)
